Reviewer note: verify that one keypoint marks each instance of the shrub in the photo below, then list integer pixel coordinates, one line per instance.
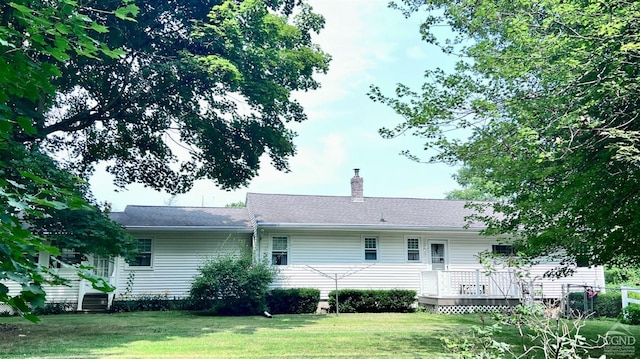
(608, 304)
(373, 301)
(622, 276)
(293, 301)
(55, 308)
(631, 314)
(232, 286)
(603, 304)
(145, 303)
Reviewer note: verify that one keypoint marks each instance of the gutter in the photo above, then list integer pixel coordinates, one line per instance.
(190, 228)
(360, 227)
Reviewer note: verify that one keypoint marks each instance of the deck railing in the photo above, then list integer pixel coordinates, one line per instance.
(474, 283)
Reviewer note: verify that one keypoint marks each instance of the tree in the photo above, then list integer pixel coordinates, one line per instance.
(238, 204)
(202, 91)
(548, 93)
(473, 188)
(111, 81)
(42, 207)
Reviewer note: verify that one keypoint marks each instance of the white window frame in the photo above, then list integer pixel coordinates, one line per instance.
(366, 250)
(151, 252)
(417, 250)
(286, 251)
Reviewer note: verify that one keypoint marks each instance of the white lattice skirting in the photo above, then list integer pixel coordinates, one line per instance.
(466, 309)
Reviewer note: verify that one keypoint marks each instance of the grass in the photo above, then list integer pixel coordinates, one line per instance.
(183, 335)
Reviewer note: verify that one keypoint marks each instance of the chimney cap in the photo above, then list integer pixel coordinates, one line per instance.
(356, 171)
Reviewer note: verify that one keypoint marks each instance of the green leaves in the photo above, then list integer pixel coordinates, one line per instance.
(37, 197)
(546, 106)
(219, 75)
(128, 12)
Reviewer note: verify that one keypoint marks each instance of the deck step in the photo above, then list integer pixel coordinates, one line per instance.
(95, 302)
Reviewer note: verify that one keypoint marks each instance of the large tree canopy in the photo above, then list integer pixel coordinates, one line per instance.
(166, 91)
(43, 208)
(202, 91)
(547, 93)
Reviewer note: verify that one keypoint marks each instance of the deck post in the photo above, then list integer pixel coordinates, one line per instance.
(477, 282)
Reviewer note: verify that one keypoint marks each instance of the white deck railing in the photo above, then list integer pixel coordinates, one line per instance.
(475, 283)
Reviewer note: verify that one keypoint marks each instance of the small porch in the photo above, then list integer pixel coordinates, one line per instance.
(450, 291)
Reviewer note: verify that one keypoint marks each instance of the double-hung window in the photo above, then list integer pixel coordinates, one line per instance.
(279, 251)
(370, 248)
(66, 257)
(413, 249)
(143, 254)
(502, 250)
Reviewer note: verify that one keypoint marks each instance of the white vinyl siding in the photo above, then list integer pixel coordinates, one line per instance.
(176, 259)
(356, 276)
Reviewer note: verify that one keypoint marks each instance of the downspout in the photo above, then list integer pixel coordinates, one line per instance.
(255, 240)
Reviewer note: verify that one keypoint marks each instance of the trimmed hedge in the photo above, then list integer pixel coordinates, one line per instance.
(55, 308)
(373, 300)
(149, 303)
(604, 304)
(293, 301)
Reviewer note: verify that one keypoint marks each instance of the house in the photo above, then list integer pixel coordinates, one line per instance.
(325, 242)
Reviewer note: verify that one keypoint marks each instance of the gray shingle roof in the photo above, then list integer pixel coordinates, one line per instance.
(372, 211)
(170, 216)
(304, 210)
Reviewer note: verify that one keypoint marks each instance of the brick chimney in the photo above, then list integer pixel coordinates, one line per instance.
(357, 190)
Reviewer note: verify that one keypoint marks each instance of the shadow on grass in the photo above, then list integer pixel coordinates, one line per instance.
(80, 335)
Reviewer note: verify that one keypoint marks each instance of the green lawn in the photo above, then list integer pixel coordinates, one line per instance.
(182, 335)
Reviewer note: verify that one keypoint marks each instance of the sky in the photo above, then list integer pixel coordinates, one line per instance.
(370, 44)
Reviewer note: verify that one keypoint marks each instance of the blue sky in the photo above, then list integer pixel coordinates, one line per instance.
(369, 44)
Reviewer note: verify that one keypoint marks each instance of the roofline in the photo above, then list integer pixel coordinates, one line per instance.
(355, 227)
(192, 228)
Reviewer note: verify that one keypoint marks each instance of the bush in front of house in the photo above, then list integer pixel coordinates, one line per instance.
(607, 305)
(232, 285)
(373, 300)
(293, 300)
(148, 303)
(55, 308)
(631, 314)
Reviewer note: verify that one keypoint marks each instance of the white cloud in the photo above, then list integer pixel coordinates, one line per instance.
(353, 44)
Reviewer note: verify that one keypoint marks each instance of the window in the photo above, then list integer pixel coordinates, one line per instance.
(143, 255)
(370, 248)
(502, 250)
(279, 250)
(413, 249)
(67, 256)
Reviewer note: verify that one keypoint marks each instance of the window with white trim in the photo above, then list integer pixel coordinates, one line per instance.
(413, 249)
(503, 250)
(280, 251)
(143, 253)
(370, 248)
(66, 257)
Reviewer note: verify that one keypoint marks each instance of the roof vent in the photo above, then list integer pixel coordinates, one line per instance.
(357, 190)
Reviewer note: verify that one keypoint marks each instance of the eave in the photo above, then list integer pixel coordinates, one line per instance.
(364, 227)
(190, 229)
